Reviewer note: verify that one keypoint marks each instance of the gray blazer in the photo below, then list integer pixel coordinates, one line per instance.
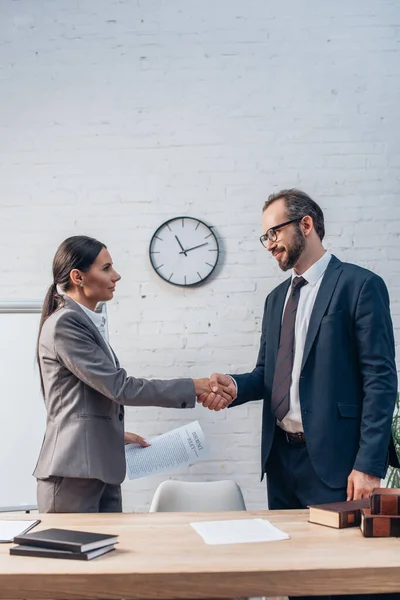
(84, 396)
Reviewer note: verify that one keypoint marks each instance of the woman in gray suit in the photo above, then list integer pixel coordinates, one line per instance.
(82, 460)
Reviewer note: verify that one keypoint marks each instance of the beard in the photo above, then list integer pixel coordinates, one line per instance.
(293, 251)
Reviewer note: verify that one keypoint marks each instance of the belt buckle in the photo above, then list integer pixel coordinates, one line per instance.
(294, 438)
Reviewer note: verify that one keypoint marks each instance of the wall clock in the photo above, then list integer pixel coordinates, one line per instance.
(184, 251)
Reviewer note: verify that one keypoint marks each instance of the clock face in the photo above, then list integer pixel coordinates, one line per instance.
(184, 251)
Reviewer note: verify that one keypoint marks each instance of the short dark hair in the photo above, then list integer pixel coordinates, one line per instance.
(299, 204)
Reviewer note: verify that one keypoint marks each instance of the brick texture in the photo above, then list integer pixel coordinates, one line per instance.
(117, 115)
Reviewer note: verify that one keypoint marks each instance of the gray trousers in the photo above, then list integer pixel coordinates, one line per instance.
(70, 495)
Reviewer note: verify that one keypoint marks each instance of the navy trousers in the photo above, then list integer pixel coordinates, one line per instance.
(293, 483)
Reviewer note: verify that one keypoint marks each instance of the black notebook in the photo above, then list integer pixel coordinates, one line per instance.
(66, 539)
(53, 553)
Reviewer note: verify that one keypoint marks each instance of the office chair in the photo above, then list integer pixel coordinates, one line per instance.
(197, 496)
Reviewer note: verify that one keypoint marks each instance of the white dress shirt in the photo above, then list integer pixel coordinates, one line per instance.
(308, 293)
(100, 322)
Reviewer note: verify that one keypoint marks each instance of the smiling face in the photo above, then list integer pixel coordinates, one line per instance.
(290, 243)
(98, 283)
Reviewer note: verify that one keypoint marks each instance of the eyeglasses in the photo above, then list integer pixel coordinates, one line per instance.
(271, 234)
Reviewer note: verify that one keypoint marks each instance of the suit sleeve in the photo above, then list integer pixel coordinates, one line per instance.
(376, 353)
(78, 351)
(250, 386)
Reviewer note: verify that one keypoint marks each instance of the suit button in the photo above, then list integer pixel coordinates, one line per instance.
(183, 405)
(120, 416)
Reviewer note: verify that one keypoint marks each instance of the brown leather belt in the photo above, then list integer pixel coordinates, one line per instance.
(293, 438)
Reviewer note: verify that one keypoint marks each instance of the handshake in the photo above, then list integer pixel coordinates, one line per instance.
(216, 392)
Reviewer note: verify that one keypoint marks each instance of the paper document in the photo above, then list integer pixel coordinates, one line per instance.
(10, 529)
(181, 446)
(241, 531)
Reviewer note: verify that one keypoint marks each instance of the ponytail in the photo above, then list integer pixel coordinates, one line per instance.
(52, 302)
(76, 252)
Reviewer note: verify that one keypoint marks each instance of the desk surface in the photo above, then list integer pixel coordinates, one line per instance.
(161, 556)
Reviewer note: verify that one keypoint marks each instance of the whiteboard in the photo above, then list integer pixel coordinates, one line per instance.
(23, 415)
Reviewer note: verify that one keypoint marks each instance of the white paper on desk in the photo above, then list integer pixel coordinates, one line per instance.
(10, 529)
(241, 531)
(181, 446)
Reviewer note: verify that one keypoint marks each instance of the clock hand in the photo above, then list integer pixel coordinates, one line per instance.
(183, 251)
(194, 248)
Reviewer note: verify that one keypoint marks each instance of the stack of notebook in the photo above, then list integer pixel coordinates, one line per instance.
(378, 516)
(64, 543)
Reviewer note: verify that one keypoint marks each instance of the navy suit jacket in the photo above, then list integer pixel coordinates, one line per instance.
(348, 382)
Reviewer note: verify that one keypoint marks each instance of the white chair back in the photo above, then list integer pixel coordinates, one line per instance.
(197, 496)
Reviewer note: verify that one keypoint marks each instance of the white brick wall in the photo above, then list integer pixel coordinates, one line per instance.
(116, 115)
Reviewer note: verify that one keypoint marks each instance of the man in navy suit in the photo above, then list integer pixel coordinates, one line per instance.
(325, 369)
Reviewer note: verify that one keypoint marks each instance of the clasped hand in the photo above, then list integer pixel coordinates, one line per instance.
(216, 392)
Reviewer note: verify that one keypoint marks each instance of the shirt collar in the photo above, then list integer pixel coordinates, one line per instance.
(315, 272)
(97, 318)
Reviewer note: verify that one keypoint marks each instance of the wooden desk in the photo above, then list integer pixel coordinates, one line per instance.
(161, 556)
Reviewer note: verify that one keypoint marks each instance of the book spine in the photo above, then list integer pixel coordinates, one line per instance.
(375, 504)
(366, 526)
(385, 505)
(381, 526)
(349, 518)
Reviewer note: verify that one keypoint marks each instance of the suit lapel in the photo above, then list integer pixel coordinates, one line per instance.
(71, 304)
(275, 322)
(322, 300)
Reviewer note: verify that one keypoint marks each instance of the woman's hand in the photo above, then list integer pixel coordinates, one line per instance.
(216, 394)
(134, 438)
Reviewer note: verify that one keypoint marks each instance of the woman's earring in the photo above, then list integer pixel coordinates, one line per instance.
(81, 284)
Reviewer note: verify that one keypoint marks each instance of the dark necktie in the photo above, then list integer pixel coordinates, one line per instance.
(280, 399)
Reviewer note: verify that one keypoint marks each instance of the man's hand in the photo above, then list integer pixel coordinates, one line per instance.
(221, 398)
(133, 438)
(360, 485)
(221, 392)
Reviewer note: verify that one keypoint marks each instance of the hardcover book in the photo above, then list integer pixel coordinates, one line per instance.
(385, 501)
(53, 553)
(338, 514)
(379, 525)
(66, 539)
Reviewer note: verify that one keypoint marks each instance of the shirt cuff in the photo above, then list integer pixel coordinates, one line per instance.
(236, 386)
